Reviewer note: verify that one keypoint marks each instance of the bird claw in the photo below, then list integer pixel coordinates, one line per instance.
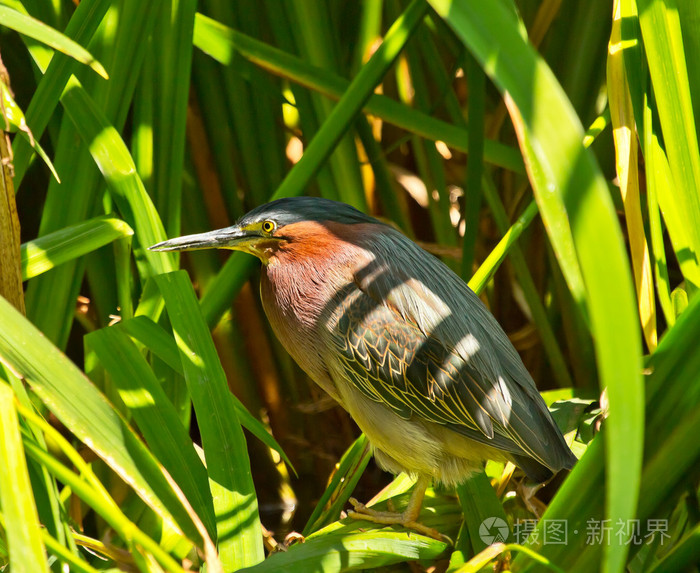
(361, 512)
(291, 539)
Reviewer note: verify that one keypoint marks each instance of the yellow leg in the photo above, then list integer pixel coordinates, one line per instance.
(407, 519)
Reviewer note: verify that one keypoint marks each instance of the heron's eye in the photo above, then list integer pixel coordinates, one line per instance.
(268, 226)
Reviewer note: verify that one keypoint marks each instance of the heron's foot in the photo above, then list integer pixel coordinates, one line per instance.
(275, 547)
(292, 539)
(527, 492)
(405, 519)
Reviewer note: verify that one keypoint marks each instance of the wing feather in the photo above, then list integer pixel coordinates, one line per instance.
(440, 355)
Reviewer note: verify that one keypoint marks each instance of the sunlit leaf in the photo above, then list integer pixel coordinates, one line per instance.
(25, 24)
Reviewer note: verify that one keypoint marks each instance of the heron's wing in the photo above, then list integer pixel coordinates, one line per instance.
(401, 345)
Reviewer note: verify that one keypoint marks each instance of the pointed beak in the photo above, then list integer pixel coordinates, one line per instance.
(228, 238)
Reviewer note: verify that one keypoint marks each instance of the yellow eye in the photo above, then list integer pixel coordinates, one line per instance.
(268, 226)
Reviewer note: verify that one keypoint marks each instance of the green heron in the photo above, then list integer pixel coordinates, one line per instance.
(398, 340)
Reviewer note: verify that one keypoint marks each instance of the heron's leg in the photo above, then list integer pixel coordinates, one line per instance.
(409, 517)
(416, 501)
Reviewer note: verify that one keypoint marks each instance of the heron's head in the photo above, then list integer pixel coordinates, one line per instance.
(302, 224)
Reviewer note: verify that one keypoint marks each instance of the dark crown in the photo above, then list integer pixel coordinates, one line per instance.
(299, 209)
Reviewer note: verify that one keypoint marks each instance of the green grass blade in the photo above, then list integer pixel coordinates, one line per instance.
(87, 414)
(258, 138)
(172, 43)
(117, 167)
(662, 180)
(219, 135)
(690, 27)
(18, 506)
(429, 164)
(82, 481)
(15, 121)
(393, 205)
(65, 555)
(350, 105)
(491, 264)
(43, 485)
(223, 43)
(683, 556)
(156, 339)
(479, 502)
(348, 549)
(368, 31)
(58, 289)
(82, 27)
(164, 347)
(49, 251)
(142, 118)
(103, 505)
(672, 449)
(124, 278)
(316, 45)
(663, 44)
(497, 255)
(156, 417)
(653, 155)
(36, 29)
(527, 283)
(345, 478)
(235, 503)
(475, 165)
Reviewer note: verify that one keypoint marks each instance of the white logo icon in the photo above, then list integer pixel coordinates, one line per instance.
(493, 530)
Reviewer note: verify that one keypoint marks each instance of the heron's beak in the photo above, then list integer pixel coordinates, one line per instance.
(229, 238)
